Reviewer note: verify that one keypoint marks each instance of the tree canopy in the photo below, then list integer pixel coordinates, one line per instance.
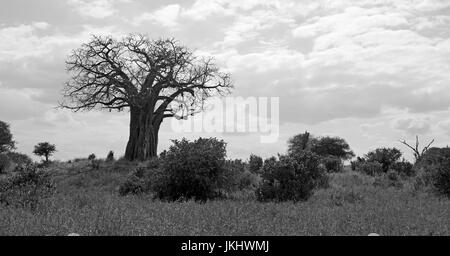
(44, 149)
(6, 139)
(322, 146)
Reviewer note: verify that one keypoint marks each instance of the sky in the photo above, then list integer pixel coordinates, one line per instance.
(370, 71)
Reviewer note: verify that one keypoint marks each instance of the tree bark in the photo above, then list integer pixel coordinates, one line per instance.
(143, 140)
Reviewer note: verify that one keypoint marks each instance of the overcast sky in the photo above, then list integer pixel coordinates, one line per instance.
(370, 71)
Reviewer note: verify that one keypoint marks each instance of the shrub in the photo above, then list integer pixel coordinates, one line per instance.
(389, 179)
(370, 168)
(255, 163)
(332, 164)
(91, 157)
(135, 183)
(385, 156)
(291, 177)
(5, 163)
(110, 156)
(237, 176)
(26, 188)
(229, 180)
(434, 171)
(441, 178)
(355, 164)
(403, 168)
(192, 169)
(434, 156)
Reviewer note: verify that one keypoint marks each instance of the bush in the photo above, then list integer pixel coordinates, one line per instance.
(291, 177)
(237, 176)
(434, 156)
(192, 169)
(370, 168)
(355, 164)
(19, 158)
(110, 156)
(434, 171)
(26, 188)
(385, 156)
(91, 157)
(135, 183)
(441, 178)
(5, 163)
(229, 180)
(332, 164)
(403, 168)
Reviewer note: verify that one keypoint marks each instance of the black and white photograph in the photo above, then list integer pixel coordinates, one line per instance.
(242, 119)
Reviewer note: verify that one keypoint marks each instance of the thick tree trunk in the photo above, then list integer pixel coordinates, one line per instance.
(143, 140)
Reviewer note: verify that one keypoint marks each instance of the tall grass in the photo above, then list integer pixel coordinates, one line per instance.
(350, 206)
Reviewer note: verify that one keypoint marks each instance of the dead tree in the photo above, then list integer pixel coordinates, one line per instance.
(153, 79)
(417, 153)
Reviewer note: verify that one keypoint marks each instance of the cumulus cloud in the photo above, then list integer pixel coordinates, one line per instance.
(98, 9)
(413, 126)
(166, 16)
(445, 126)
(330, 62)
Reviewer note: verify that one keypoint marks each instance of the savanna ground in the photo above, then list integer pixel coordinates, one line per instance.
(87, 202)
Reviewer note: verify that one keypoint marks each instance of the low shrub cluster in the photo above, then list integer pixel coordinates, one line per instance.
(236, 176)
(192, 170)
(332, 164)
(291, 177)
(19, 158)
(370, 168)
(381, 161)
(434, 171)
(27, 187)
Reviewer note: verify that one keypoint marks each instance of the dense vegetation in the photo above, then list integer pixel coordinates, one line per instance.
(193, 189)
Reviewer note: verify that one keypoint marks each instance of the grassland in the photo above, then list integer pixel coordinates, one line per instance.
(87, 203)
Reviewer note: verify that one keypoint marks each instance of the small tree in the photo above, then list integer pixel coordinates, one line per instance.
(385, 156)
(299, 143)
(418, 154)
(6, 139)
(332, 146)
(44, 149)
(322, 146)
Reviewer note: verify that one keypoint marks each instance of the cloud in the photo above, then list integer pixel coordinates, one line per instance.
(413, 126)
(166, 16)
(98, 9)
(334, 64)
(445, 126)
(18, 104)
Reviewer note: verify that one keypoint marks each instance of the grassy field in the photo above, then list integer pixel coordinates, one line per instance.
(87, 203)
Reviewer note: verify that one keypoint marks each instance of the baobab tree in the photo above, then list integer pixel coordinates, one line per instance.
(153, 79)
